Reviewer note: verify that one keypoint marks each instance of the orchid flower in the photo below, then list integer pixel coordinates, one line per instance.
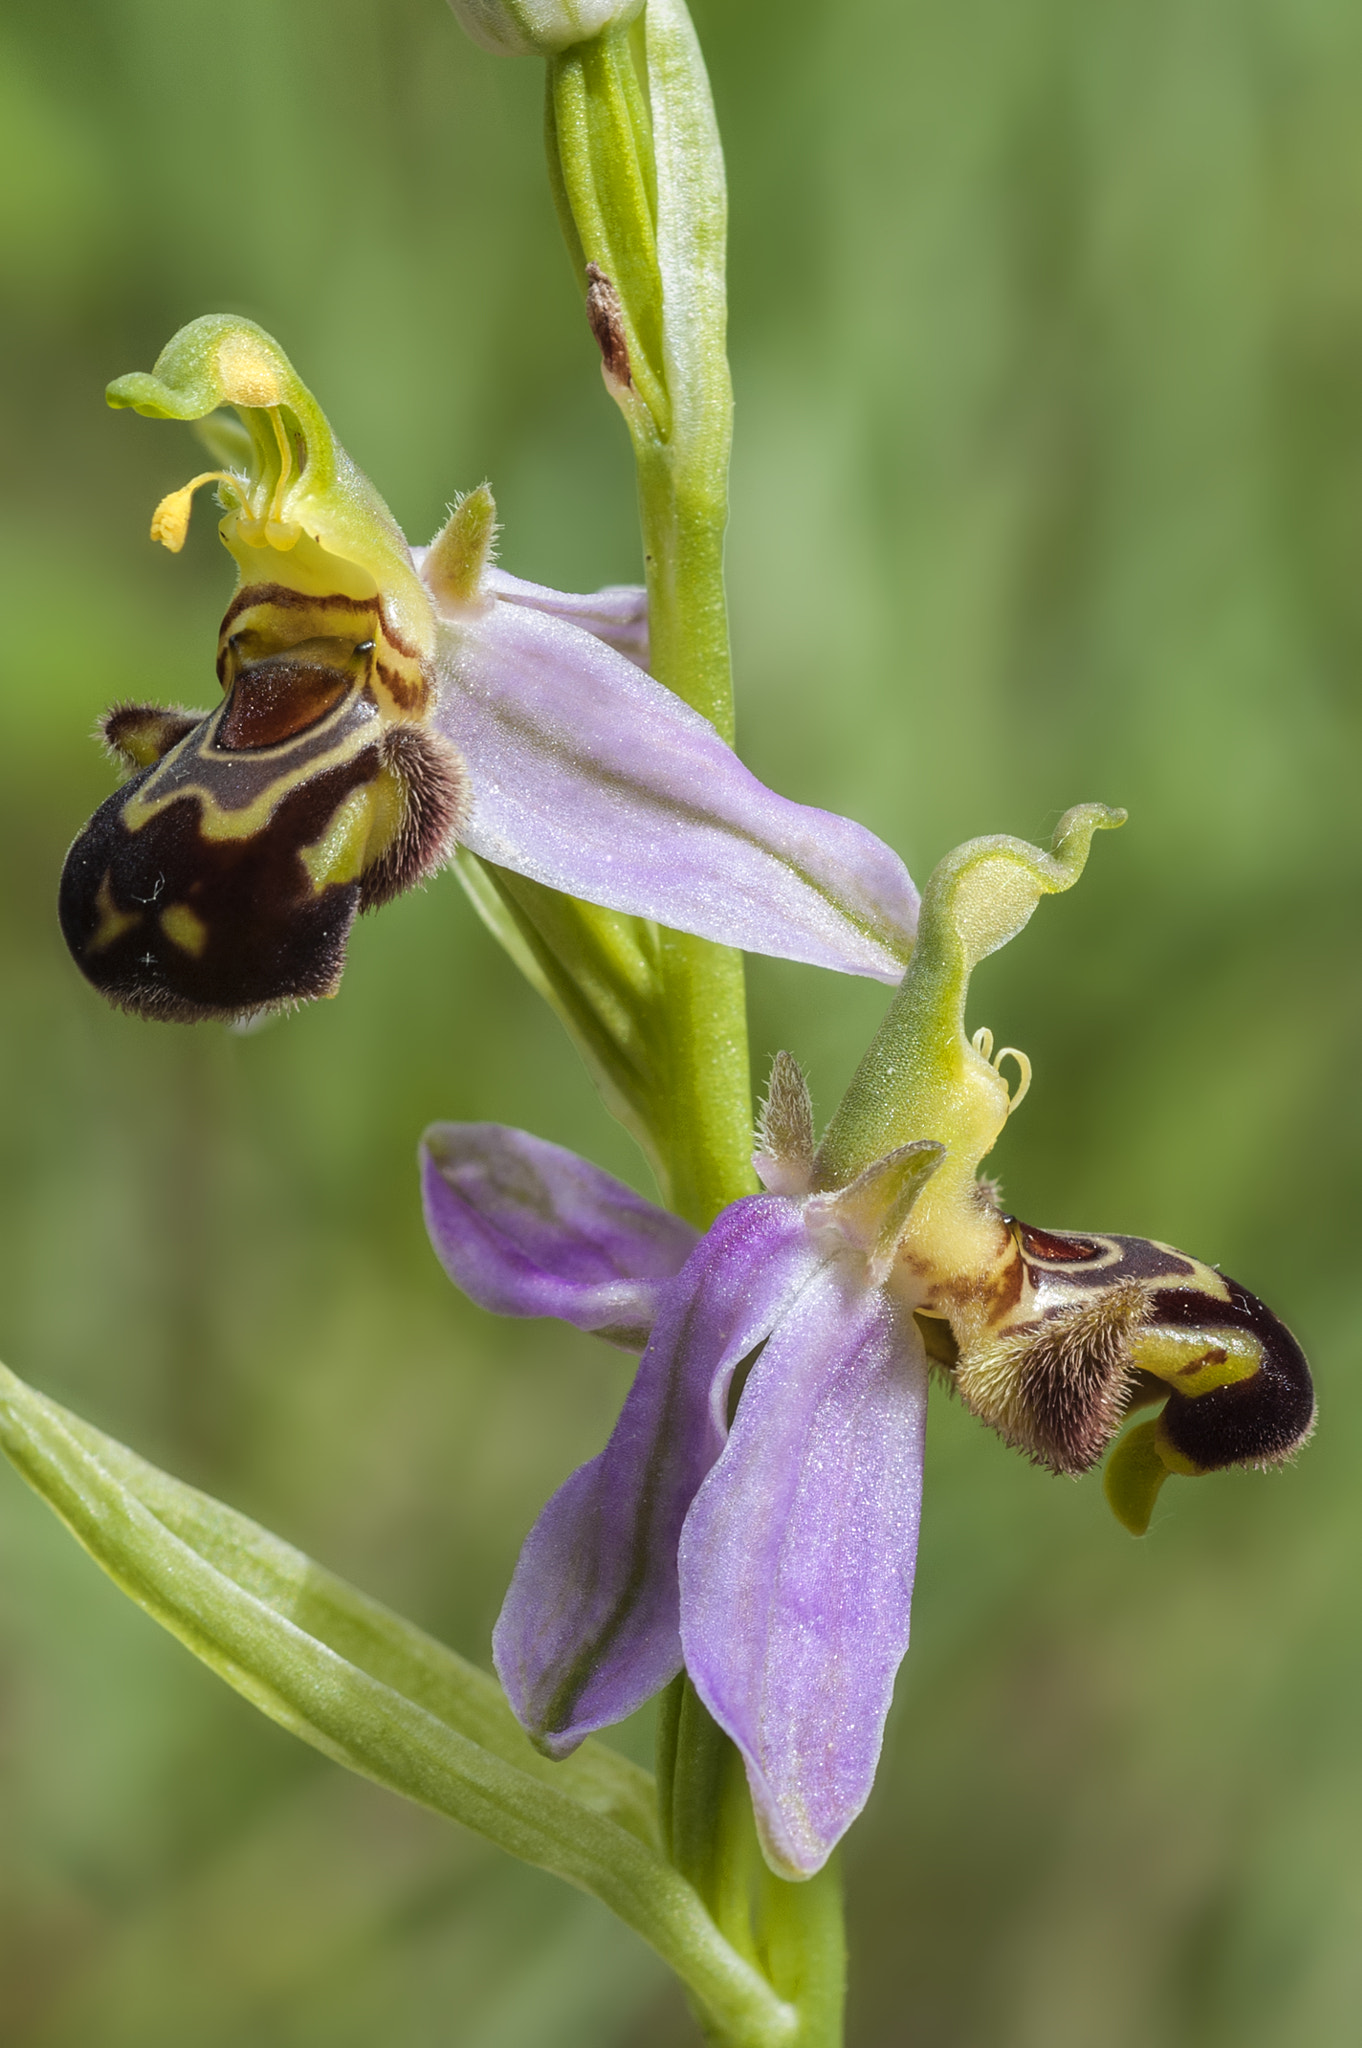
(379, 708)
(754, 1516)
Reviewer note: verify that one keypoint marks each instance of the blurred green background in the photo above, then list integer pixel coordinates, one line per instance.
(1047, 337)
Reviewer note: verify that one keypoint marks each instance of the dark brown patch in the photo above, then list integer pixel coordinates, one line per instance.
(1095, 1261)
(435, 806)
(1141, 1259)
(277, 699)
(606, 313)
(1051, 1248)
(1254, 1421)
(269, 937)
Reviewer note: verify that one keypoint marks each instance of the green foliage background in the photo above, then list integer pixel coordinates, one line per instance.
(1047, 335)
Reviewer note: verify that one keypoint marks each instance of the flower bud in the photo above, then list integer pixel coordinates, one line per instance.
(540, 28)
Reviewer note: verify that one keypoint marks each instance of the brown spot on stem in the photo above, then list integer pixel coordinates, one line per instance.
(606, 314)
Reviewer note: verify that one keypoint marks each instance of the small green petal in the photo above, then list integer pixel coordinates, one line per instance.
(1134, 1475)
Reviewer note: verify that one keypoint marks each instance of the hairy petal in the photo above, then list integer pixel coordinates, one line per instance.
(589, 1628)
(591, 778)
(796, 1560)
(526, 1228)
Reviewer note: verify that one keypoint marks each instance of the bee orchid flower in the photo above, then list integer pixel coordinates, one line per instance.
(379, 707)
(754, 1516)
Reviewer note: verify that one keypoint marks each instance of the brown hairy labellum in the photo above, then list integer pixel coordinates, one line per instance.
(1080, 1329)
(224, 876)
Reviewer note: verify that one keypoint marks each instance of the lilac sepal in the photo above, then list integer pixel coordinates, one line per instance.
(528, 1229)
(589, 1629)
(618, 614)
(588, 776)
(796, 1561)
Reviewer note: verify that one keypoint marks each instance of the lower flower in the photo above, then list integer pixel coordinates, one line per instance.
(754, 1516)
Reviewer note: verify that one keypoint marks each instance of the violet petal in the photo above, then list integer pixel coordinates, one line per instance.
(591, 778)
(797, 1560)
(618, 614)
(588, 1631)
(526, 1228)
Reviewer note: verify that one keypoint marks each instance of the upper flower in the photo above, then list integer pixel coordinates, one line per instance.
(378, 706)
(755, 1512)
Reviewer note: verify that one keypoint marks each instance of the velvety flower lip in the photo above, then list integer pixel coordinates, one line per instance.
(526, 1228)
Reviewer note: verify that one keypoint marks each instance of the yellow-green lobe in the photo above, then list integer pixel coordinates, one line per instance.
(922, 1078)
(304, 515)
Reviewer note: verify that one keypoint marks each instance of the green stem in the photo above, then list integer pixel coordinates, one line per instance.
(703, 993)
(683, 516)
(638, 175)
(708, 1080)
(792, 1933)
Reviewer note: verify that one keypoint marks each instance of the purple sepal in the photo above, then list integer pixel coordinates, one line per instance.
(796, 1561)
(591, 778)
(618, 614)
(589, 1629)
(526, 1228)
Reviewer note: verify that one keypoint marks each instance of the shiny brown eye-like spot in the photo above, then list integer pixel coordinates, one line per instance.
(1050, 1248)
(278, 698)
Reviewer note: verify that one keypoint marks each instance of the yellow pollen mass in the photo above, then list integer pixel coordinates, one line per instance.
(248, 376)
(170, 520)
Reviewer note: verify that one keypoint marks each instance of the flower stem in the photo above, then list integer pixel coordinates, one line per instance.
(703, 998)
(638, 175)
(792, 1933)
(637, 172)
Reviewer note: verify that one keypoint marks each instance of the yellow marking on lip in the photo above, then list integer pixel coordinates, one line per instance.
(185, 928)
(216, 821)
(1197, 1361)
(338, 856)
(113, 922)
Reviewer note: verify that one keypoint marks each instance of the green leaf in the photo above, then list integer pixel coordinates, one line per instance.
(374, 1693)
